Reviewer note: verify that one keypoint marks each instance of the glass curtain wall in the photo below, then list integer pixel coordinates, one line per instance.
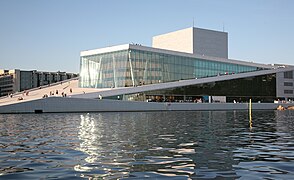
(105, 70)
(150, 67)
(136, 67)
(259, 88)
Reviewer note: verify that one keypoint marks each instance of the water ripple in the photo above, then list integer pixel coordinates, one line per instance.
(155, 145)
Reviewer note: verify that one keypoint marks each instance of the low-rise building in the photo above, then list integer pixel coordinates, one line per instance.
(17, 80)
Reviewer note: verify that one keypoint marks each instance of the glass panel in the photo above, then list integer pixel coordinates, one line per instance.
(134, 67)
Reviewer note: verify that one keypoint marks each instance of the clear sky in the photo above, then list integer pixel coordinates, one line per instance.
(49, 34)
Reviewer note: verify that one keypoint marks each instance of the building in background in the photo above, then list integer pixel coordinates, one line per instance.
(17, 80)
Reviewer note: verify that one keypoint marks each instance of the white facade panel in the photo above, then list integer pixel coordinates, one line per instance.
(195, 41)
(181, 41)
(59, 104)
(105, 50)
(210, 43)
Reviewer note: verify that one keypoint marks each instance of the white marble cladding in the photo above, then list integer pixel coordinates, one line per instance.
(105, 50)
(195, 41)
(210, 43)
(59, 104)
(181, 41)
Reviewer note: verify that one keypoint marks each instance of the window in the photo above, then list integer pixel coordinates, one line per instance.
(288, 84)
(288, 75)
(288, 91)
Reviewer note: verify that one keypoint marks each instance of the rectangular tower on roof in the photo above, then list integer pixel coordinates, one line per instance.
(195, 41)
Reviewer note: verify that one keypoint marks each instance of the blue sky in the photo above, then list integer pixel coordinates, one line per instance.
(49, 34)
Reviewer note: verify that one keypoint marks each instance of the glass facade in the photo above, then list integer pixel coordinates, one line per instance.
(106, 70)
(258, 88)
(136, 67)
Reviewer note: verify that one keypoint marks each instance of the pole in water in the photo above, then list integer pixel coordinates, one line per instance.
(250, 114)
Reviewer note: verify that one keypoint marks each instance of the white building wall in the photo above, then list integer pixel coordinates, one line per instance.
(59, 104)
(194, 41)
(181, 41)
(210, 43)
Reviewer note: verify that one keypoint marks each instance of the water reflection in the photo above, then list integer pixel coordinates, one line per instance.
(182, 144)
(157, 145)
(37, 146)
(121, 144)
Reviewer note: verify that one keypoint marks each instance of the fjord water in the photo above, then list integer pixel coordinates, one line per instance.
(156, 145)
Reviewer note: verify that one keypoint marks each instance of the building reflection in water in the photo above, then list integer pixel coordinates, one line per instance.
(202, 144)
(118, 144)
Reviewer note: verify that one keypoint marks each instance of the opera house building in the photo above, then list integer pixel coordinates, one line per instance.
(185, 70)
(194, 55)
